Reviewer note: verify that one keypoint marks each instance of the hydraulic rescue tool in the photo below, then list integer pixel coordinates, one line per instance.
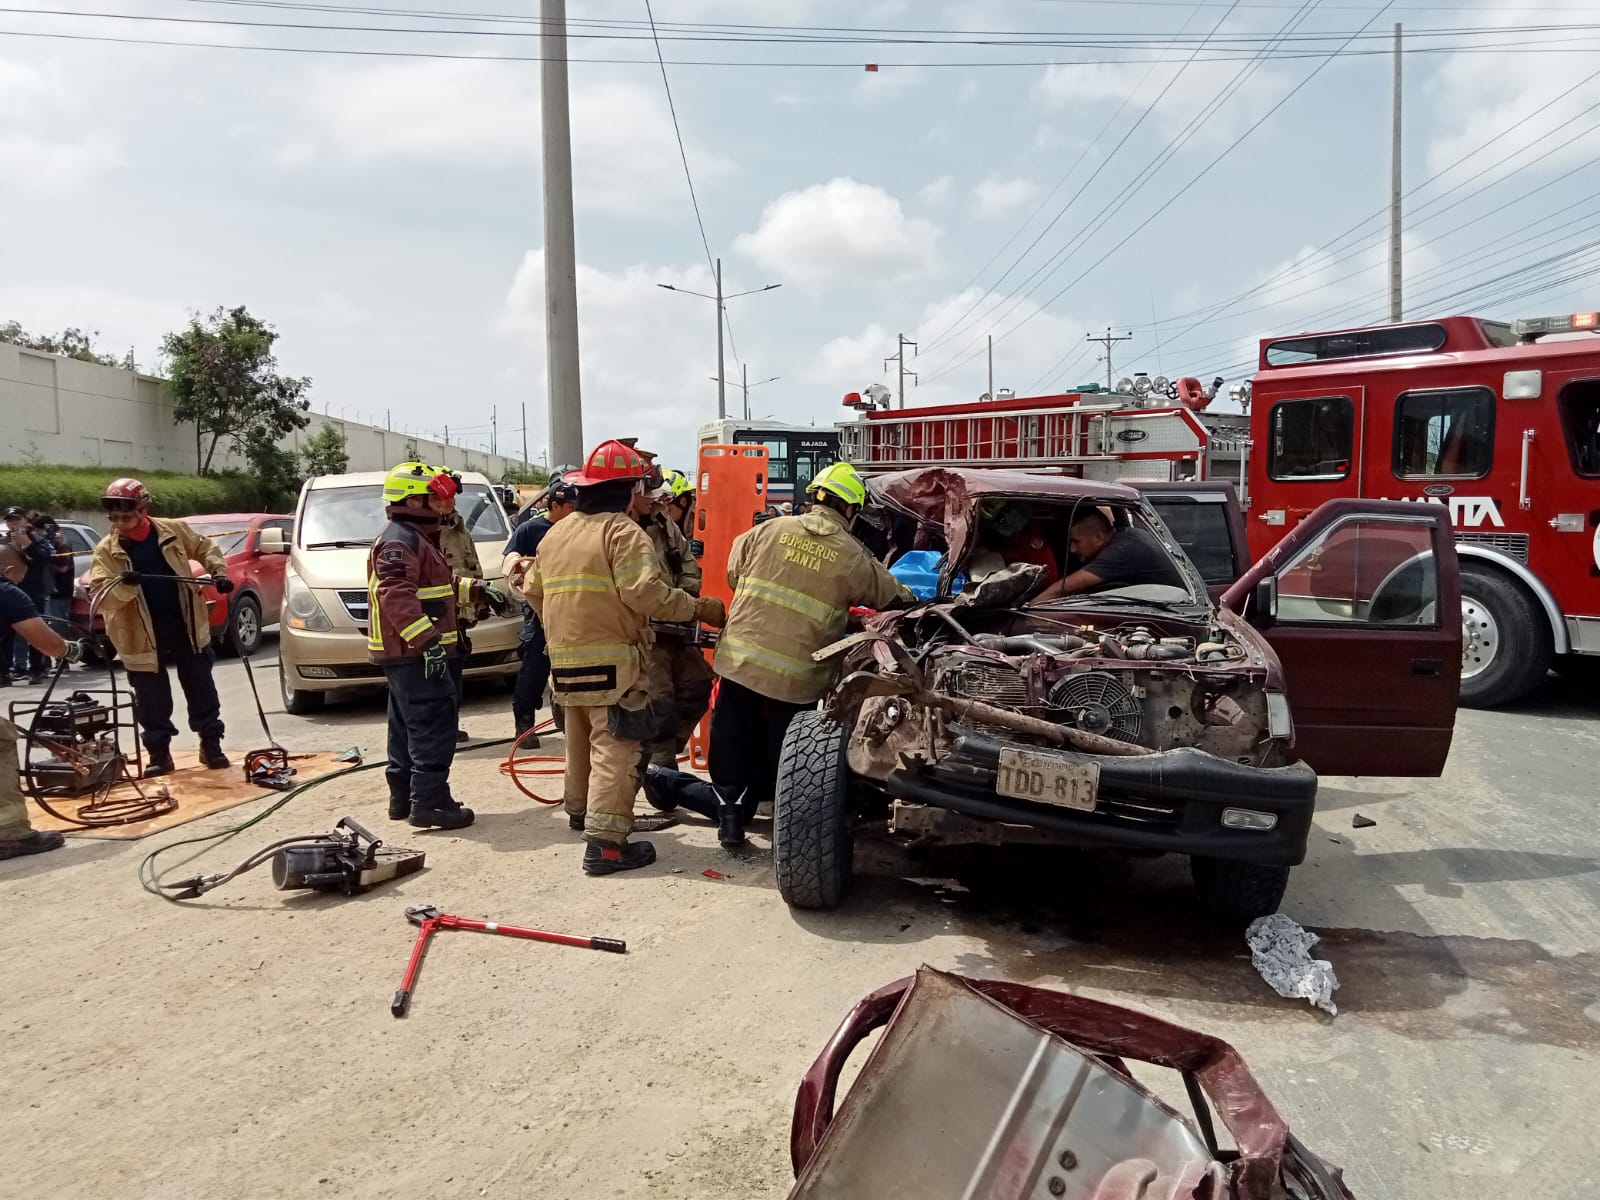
(348, 860)
(427, 918)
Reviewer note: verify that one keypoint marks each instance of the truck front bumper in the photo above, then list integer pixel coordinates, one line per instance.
(1171, 801)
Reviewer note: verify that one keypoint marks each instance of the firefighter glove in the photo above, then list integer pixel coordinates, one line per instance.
(76, 651)
(222, 583)
(697, 548)
(131, 578)
(435, 663)
(494, 595)
(710, 611)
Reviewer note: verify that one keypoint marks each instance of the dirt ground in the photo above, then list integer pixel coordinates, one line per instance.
(242, 1046)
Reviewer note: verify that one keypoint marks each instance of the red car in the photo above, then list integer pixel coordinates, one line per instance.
(237, 620)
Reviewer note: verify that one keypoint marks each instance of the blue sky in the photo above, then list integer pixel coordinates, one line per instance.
(384, 212)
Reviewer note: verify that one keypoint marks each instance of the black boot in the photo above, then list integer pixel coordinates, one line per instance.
(575, 822)
(35, 841)
(607, 858)
(454, 817)
(399, 807)
(524, 721)
(157, 762)
(211, 754)
(667, 789)
(730, 819)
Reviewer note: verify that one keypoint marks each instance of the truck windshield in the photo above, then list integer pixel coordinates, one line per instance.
(353, 516)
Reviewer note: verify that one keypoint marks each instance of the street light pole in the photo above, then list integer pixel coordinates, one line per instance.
(745, 385)
(721, 302)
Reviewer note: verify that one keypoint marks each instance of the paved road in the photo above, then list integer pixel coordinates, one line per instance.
(1465, 1058)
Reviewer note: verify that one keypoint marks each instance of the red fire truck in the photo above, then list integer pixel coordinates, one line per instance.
(1499, 423)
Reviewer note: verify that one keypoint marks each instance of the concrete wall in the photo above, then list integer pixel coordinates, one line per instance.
(62, 411)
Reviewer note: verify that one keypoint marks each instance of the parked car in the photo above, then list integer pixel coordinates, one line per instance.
(1150, 718)
(322, 642)
(238, 620)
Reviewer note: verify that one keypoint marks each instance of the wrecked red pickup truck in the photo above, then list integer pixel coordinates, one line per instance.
(1150, 718)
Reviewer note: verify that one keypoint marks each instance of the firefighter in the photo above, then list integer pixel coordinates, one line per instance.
(677, 668)
(155, 621)
(680, 502)
(19, 617)
(412, 597)
(461, 552)
(561, 499)
(794, 580)
(595, 585)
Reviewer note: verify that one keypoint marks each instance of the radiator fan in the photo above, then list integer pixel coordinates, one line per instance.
(1097, 702)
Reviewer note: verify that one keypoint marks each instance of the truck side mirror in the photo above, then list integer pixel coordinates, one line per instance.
(271, 542)
(1264, 602)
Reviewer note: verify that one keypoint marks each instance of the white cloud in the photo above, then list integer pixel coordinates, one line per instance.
(50, 144)
(838, 231)
(935, 191)
(995, 197)
(1103, 86)
(486, 115)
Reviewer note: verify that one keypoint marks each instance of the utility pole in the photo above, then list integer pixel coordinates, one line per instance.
(899, 356)
(1108, 339)
(1395, 306)
(745, 385)
(525, 434)
(721, 303)
(494, 429)
(560, 252)
(991, 366)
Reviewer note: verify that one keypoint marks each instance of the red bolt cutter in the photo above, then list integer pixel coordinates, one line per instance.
(427, 918)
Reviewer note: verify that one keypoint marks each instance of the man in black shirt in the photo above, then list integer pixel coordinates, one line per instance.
(19, 617)
(30, 542)
(1113, 558)
(534, 673)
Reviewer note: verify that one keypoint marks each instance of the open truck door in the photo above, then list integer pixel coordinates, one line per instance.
(1362, 603)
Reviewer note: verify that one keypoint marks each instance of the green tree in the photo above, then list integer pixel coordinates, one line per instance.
(225, 382)
(73, 343)
(326, 452)
(275, 468)
(525, 475)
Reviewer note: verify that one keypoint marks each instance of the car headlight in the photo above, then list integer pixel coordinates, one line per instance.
(303, 610)
(1279, 722)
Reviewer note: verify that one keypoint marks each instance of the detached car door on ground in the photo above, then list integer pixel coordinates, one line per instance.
(1361, 602)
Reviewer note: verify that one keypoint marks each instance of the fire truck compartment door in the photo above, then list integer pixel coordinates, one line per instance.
(1365, 615)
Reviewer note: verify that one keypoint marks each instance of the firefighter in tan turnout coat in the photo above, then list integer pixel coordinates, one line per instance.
(596, 583)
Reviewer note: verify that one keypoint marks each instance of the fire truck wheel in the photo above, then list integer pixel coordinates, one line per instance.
(812, 846)
(1505, 639)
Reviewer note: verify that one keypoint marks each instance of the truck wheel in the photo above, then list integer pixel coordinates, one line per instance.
(1505, 639)
(244, 626)
(298, 703)
(812, 848)
(1238, 890)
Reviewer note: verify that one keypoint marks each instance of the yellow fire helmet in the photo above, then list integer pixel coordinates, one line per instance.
(841, 480)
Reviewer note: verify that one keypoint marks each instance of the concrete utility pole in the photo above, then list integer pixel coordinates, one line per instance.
(745, 385)
(991, 366)
(899, 356)
(560, 252)
(525, 434)
(1395, 306)
(721, 302)
(494, 429)
(1108, 340)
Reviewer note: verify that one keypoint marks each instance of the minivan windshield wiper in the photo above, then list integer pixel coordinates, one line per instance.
(341, 544)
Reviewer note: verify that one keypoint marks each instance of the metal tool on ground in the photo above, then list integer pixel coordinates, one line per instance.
(349, 860)
(427, 918)
(269, 768)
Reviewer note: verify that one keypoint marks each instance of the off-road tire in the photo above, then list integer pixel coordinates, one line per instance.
(232, 641)
(812, 846)
(1523, 652)
(1238, 891)
(298, 703)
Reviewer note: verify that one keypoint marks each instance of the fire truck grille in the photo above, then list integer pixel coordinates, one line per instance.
(1512, 545)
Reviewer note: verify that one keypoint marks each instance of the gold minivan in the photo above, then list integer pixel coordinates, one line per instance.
(322, 638)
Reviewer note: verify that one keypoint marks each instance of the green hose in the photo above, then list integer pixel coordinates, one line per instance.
(150, 878)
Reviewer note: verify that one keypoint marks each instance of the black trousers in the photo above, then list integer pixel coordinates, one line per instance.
(152, 690)
(534, 674)
(746, 739)
(422, 732)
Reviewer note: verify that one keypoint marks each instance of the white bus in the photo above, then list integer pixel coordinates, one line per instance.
(795, 453)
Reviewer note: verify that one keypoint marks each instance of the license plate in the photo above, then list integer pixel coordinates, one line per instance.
(1046, 779)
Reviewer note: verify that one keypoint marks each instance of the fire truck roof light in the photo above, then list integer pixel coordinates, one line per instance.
(1530, 327)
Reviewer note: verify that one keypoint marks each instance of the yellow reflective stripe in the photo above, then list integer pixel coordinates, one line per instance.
(631, 570)
(784, 597)
(463, 590)
(592, 652)
(438, 592)
(448, 639)
(766, 657)
(374, 625)
(416, 629)
(560, 585)
(608, 822)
